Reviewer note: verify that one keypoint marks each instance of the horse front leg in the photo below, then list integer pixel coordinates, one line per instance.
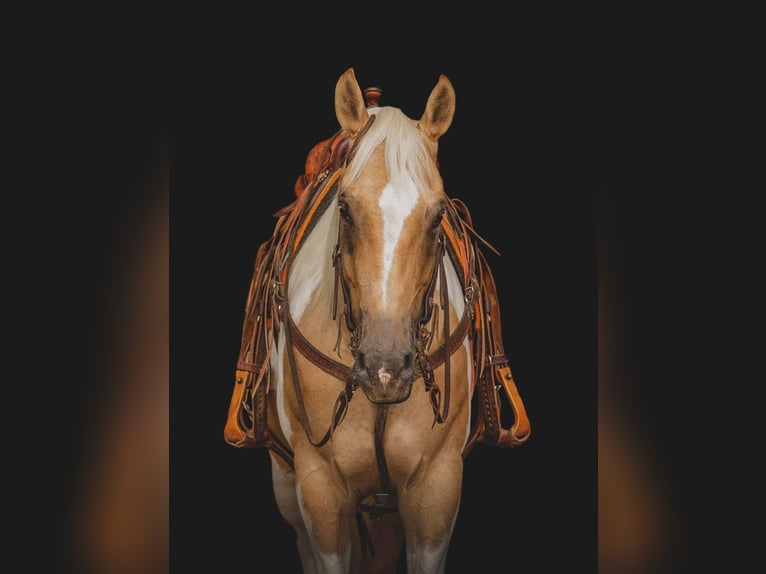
(283, 484)
(429, 509)
(328, 511)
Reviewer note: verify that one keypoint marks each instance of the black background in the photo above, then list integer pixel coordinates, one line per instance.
(639, 113)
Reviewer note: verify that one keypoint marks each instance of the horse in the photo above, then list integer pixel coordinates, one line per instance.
(375, 281)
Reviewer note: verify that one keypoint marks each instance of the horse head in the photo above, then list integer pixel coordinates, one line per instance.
(391, 205)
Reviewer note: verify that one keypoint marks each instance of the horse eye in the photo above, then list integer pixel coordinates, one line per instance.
(344, 211)
(438, 219)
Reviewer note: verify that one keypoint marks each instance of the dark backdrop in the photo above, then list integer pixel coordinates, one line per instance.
(519, 153)
(652, 109)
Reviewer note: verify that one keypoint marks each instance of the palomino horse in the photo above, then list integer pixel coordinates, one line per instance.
(372, 281)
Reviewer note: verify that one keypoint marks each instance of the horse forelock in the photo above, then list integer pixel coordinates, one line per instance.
(394, 141)
(406, 156)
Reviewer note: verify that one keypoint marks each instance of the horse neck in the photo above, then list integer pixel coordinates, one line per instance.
(311, 275)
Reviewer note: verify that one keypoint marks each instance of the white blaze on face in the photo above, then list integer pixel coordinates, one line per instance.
(396, 202)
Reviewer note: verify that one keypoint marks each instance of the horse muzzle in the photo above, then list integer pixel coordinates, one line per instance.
(385, 379)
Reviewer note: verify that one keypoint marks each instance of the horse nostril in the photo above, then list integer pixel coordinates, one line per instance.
(408, 367)
(360, 365)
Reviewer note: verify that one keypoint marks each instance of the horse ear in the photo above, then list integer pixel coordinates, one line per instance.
(350, 107)
(440, 109)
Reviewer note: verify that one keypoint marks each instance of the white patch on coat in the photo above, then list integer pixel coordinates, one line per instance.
(311, 273)
(276, 363)
(421, 559)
